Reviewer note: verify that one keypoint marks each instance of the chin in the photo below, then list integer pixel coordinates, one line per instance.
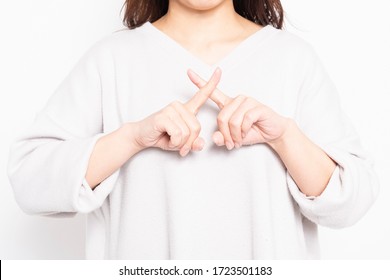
(201, 5)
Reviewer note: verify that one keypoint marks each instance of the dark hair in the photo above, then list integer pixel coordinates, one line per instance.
(262, 12)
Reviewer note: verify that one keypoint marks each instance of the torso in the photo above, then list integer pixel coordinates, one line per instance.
(216, 204)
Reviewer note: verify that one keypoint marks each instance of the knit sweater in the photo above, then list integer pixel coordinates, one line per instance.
(213, 204)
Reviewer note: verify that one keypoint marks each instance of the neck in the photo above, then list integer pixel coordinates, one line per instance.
(200, 25)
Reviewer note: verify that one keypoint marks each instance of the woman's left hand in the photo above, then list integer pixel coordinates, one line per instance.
(243, 120)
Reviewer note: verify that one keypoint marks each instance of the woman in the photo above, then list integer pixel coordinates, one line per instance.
(202, 131)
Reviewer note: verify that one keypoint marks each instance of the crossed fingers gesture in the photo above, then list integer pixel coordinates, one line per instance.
(241, 121)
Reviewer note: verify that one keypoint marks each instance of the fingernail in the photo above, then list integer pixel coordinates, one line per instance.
(201, 144)
(243, 135)
(236, 145)
(229, 145)
(186, 150)
(218, 143)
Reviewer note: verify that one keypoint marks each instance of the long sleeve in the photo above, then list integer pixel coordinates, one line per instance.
(48, 163)
(353, 186)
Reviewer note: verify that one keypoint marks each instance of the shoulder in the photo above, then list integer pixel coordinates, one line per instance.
(125, 36)
(121, 43)
(288, 45)
(292, 54)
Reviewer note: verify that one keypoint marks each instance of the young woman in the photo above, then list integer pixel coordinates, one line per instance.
(203, 131)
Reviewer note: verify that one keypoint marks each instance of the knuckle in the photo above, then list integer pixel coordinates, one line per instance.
(235, 123)
(159, 118)
(177, 133)
(185, 133)
(221, 119)
(241, 97)
(171, 107)
(168, 110)
(176, 103)
(251, 100)
(248, 118)
(195, 127)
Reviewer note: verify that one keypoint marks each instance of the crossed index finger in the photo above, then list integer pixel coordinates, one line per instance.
(217, 96)
(205, 91)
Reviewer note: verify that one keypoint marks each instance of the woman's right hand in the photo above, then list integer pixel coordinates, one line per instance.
(175, 127)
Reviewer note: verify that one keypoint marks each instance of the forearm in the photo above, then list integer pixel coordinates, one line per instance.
(110, 153)
(309, 166)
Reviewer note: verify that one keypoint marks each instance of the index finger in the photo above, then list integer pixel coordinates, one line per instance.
(205, 91)
(217, 96)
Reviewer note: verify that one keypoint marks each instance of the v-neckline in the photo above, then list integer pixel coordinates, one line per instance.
(239, 52)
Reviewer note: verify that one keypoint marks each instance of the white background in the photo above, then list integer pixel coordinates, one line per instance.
(41, 40)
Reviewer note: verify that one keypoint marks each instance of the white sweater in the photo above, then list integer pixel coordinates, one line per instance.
(214, 204)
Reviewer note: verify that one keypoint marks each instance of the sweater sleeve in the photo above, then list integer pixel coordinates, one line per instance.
(353, 186)
(48, 162)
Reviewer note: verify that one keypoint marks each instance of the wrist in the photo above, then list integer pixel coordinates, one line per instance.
(285, 137)
(128, 131)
